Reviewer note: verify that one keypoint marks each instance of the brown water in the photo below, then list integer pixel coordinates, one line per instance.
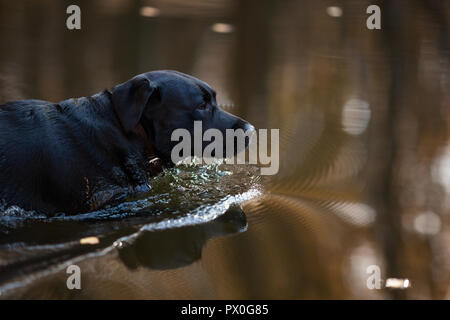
(364, 151)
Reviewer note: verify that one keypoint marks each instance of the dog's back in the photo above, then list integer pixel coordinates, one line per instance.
(30, 142)
(51, 153)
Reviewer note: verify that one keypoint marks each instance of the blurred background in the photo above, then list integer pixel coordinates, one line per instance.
(364, 135)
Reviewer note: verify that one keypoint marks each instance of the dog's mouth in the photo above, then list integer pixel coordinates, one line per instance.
(160, 159)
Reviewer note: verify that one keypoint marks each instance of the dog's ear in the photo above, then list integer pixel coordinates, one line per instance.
(130, 99)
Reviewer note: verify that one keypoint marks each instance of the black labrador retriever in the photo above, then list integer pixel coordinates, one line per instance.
(80, 154)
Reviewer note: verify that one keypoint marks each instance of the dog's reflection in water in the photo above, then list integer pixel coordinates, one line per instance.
(178, 247)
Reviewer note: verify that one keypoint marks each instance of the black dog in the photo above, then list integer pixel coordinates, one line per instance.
(80, 154)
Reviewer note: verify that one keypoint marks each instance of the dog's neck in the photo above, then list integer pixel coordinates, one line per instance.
(155, 163)
(140, 131)
(104, 98)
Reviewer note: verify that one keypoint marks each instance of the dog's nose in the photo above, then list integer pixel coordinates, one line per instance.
(248, 128)
(244, 125)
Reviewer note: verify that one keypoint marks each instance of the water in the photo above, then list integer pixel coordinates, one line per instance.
(364, 151)
(186, 206)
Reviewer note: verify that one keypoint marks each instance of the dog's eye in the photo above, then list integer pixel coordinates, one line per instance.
(203, 106)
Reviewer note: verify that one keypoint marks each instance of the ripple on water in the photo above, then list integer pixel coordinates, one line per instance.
(183, 196)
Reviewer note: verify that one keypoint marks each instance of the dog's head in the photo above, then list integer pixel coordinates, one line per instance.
(163, 101)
